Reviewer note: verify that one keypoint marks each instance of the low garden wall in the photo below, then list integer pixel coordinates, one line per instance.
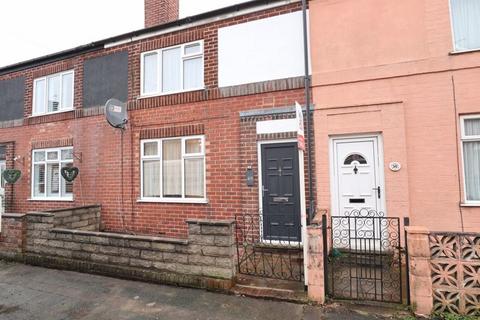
(206, 259)
(81, 218)
(444, 272)
(12, 235)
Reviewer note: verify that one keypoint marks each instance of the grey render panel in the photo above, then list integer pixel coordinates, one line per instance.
(104, 78)
(12, 99)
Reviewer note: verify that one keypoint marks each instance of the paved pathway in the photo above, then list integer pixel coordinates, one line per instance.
(28, 292)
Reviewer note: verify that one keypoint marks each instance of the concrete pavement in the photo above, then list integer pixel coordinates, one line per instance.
(28, 292)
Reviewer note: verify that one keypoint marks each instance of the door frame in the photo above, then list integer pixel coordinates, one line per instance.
(380, 177)
(301, 177)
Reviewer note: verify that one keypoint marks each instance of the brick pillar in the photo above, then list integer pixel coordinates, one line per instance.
(315, 266)
(421, 294)
(160, 11)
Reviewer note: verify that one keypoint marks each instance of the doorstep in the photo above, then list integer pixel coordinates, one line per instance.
(272, 289)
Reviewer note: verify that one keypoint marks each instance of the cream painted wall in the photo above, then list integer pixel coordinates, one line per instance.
(261, 50)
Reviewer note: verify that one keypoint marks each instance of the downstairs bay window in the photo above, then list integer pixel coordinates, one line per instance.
(47, 180)
(173, 169)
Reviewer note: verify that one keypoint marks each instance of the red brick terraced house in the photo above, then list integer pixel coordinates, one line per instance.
(211, 132)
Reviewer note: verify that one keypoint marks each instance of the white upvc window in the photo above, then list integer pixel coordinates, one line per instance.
(172, 70)
(53, 93)
(470, 135)
(47, 180)
(465, 24)
(173, 169)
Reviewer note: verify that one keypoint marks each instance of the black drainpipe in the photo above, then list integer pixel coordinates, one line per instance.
(311, 208)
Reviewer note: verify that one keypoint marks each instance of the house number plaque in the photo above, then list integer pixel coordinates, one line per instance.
(395, 166)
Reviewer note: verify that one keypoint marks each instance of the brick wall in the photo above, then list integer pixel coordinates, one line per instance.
(160, 12)
(404, 83)
(12, 235)
(10, 164)
(109, 160)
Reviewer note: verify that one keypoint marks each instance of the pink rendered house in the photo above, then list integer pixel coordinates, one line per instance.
(396, 88)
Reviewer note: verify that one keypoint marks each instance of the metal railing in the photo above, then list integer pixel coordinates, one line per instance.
(265, 252)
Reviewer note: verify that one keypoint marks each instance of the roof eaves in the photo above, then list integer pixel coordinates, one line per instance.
(98, 45)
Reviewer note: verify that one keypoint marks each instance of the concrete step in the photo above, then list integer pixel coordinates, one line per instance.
(273, 289)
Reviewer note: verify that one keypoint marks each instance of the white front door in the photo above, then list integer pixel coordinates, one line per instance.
(357, 175)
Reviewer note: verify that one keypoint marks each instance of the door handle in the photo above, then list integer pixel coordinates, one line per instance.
(379, 192)
(264, 190)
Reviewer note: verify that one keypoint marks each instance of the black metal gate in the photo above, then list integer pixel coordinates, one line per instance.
(365, 257)
(260, 255)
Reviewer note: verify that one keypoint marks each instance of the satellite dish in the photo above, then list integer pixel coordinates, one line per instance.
(116, 113)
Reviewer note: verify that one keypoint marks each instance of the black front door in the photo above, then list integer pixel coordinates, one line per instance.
(281, 192)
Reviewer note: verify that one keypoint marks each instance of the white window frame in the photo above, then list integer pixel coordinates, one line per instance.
(463, 139)
(61, 163)
(184, 57)
(3, 167)
(159, 157)
(60, 107)
(452, 28)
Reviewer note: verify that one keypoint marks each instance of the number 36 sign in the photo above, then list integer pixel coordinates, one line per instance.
(395, 166)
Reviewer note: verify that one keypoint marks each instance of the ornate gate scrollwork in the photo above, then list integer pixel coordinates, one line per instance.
(365, 257)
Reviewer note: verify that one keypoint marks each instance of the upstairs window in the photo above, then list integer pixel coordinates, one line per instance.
(173, 169)
(172, 70)
(466, 24)
(47, 182)
(53, 93)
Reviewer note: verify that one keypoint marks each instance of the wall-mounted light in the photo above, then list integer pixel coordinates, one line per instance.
(249, 176)
(19, 159)
(78, 156)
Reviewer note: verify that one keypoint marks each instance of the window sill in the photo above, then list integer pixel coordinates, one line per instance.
(153, 95)
(470, 204)
(457, 52)
(180, 201)
(50, 113)
(52, 199)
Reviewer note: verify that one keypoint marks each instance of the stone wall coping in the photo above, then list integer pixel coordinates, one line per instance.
(13, 215)
(74, 208)
(211, 222)
(40, 214)
(120, 236)
(417, 230)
